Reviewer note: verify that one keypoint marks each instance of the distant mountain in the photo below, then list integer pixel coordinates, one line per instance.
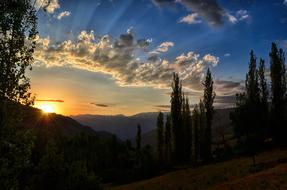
(124, 127)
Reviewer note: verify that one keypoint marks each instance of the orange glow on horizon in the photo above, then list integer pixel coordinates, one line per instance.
(47, 107)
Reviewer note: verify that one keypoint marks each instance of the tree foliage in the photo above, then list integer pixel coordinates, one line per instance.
(208, 99)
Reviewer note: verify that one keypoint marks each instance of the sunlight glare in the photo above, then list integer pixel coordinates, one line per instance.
(47, 108)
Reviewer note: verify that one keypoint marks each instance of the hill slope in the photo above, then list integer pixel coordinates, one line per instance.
(235, 174)
(66, 126)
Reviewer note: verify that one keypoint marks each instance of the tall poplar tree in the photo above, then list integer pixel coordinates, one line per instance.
(187, 130)
(176, 118)
(195, 132)
(264, 111)
(278, 89)
(208, 100)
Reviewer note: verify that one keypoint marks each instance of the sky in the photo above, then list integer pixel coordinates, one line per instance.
(112, 57)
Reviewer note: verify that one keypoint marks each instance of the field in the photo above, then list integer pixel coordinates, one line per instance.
(269, 173)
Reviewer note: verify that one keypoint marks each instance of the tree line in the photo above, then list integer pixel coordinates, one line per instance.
(186, 137)
(260, 115)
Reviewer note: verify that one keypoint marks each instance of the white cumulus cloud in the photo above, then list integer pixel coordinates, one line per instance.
(191, 19)
(117, 57)
(63, 14)
(50, 6)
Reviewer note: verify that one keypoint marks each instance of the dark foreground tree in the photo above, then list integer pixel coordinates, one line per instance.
(208, 100)
(17, 42)
(187, 132)
(248, 128)
(278, 89)
(264, 110)
(160, 138)
(176, 119)
(195, 132)
(167, 141)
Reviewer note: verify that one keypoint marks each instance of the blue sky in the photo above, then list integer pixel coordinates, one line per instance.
(225, 29)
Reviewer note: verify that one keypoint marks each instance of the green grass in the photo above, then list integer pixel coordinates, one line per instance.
(271, 173)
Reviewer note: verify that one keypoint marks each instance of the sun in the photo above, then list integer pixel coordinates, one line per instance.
(46, 108)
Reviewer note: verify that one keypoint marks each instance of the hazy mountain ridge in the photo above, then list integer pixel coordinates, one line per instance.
(125, 127)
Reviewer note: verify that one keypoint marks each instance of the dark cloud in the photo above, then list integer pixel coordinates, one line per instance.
(101, 105)
(162, 106)
(228, 84)
(210, 10)
(50, 100)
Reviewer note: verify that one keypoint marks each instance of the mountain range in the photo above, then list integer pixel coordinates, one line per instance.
(125, 127)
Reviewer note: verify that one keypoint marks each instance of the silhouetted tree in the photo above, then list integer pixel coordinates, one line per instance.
(202, 129)
(18, 31)
(249, 129)
(176, 118)
(278, 89)
(263, 83)
(208, 100)
(196, 126)
(251, 83)
(264, 111)
(187, 132)
(160, 138)
(168, 143)
(138, 137)
(17, 42)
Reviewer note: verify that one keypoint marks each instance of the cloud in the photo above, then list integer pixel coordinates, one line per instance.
(227, 55)
(63, 14)
(285, 2)
(125, 59)
(101, 105)
(164, 47)
(49, 100)
(231, 18)
(243, 15)
(49, 6)
(240, 15)
(162, 106)
(191, 19)
(207, 9)
(228, 87)
(153, 56)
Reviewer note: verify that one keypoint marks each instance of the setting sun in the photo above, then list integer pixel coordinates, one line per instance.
(46, 108)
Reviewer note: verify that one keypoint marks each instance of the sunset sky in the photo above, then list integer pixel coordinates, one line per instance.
(118, 56)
